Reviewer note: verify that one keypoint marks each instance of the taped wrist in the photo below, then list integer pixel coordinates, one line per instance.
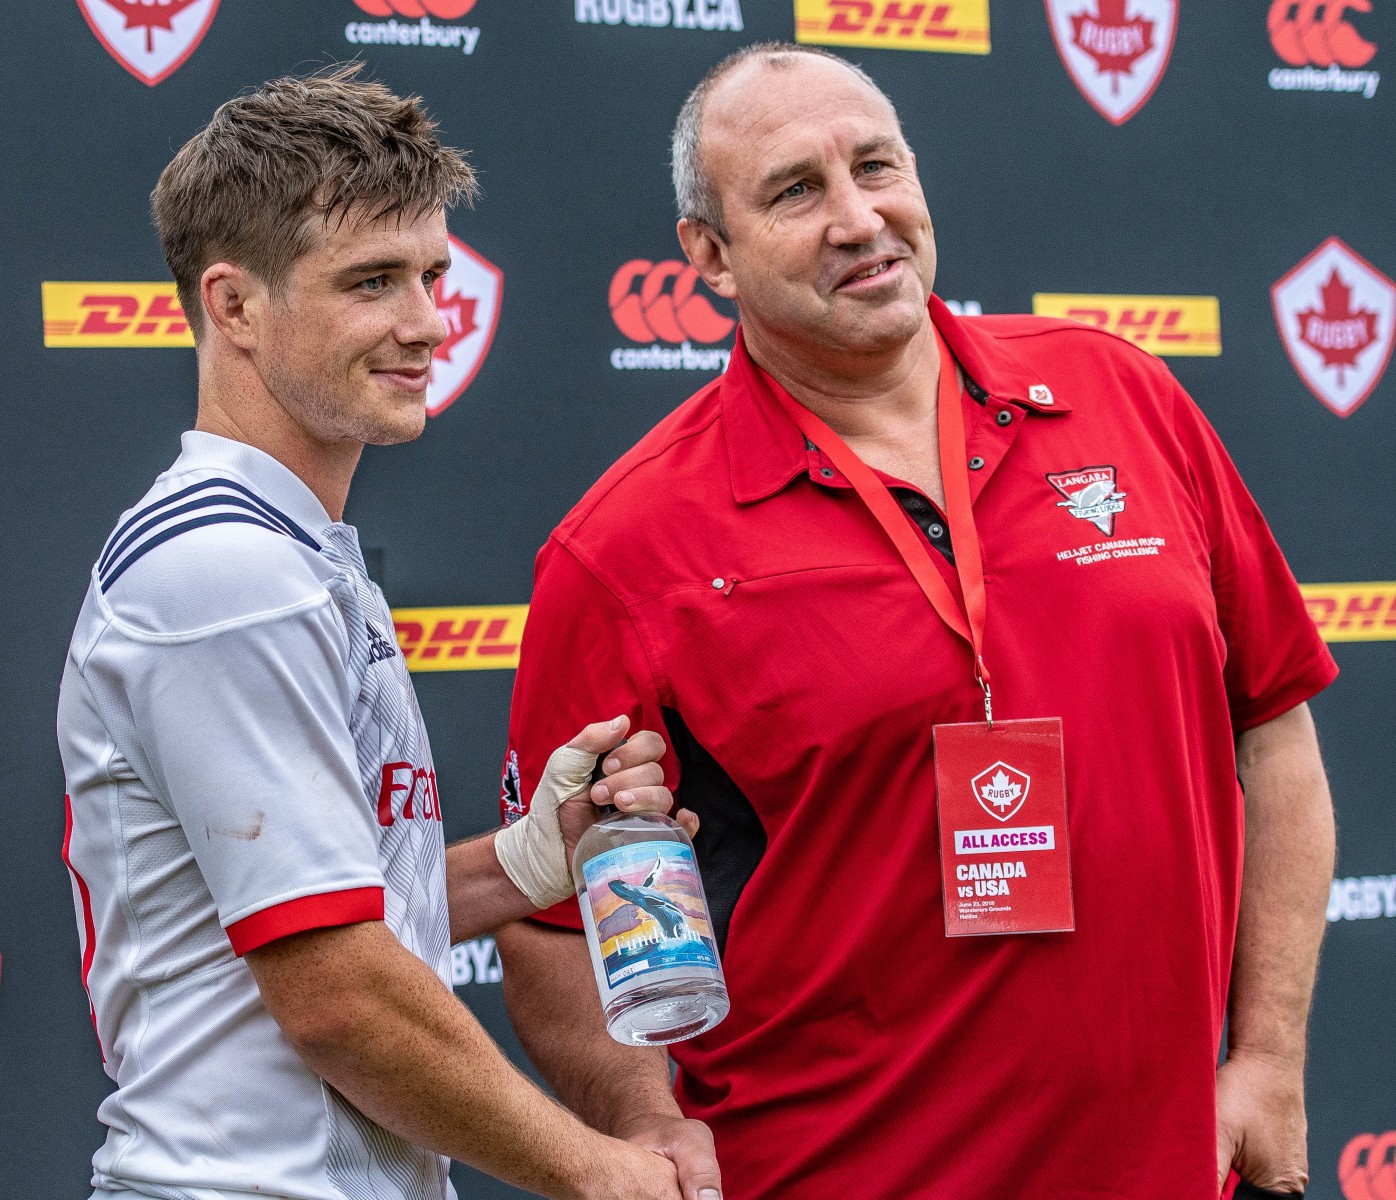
(531, 850)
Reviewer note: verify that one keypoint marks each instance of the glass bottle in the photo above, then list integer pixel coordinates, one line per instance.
(648, 929)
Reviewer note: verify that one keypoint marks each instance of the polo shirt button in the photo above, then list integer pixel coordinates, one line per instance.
(1004, 418)
(719, 583)
(976, 463)
(826, 472)
(936, 530)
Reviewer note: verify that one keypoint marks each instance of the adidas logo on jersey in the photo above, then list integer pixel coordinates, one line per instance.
(379, 647)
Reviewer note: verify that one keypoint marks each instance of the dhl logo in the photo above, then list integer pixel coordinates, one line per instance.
(487, 637)
(1162, 325)
(959, 26)
(114, 314)
(1352, 612)
(460, 639)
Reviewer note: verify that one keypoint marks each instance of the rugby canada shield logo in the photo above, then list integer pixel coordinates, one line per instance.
(1001, 790)
(1090, 496)
(1116, 51)
(1335, 313)
(467, 297)
(150, 38)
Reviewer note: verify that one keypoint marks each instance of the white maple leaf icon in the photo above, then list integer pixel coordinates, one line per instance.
(1001, 791)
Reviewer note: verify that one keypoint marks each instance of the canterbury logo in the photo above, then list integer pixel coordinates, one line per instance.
(659, 301)
(1316, 33)
(1367, 1167)
(445, 10)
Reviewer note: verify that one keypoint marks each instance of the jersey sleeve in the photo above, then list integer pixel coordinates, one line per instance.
(244, 735)
(581, 661)
(1275, 657)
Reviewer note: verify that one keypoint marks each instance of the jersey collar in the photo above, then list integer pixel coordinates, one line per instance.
(269, 478)
(765, 449)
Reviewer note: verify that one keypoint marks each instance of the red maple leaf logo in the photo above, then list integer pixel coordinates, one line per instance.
(1336, 330)
(150, 17)
(1115, 41)
(458, 312)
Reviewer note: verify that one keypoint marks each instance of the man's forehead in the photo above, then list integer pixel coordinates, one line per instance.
(361, 231)
(761, 105)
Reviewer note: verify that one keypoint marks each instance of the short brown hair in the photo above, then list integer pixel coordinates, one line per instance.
(246, 186)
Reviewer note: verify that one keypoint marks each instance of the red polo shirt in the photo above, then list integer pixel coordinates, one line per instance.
(722, 577)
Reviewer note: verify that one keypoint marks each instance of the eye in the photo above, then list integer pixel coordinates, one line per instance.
(374, 284)
(794, 191)
(429, 279)
(873, 167)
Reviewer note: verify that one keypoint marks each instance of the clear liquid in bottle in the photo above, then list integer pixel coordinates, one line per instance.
(649, 930)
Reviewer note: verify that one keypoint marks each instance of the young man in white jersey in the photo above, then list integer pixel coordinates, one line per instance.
(265, 901)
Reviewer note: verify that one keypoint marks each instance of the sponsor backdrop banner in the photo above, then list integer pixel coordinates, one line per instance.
(1211, 181)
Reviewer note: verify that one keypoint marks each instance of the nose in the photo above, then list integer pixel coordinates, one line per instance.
(421, 321)
(853, 216)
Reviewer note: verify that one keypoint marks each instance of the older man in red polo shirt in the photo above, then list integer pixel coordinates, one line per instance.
(819, 572)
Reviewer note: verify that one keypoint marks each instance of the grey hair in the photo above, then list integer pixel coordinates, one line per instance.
(694, 192)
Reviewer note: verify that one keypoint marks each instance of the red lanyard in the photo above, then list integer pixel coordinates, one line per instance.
(969, 566)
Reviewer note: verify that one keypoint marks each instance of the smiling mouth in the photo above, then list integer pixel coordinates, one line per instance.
(872, 272)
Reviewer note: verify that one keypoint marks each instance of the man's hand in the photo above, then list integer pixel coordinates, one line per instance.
(686, 1144)
(1261, 1127)
(630, 1173)
(634, 780)
(536, 850)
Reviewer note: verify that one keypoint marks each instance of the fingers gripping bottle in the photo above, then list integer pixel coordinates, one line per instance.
(648, 929)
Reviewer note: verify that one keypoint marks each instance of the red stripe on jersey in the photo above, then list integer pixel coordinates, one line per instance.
(89, 940)
(308, 912)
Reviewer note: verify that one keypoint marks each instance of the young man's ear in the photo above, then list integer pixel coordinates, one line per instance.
(232, 299)
(708, 254)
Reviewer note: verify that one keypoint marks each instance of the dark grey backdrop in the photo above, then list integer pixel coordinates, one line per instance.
(1217, 187)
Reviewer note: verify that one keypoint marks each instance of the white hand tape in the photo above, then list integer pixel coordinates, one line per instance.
(531, 850)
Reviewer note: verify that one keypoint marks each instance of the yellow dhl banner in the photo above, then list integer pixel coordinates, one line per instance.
(959, 26)
(460, 639)
(1162, 325)
(114, 314)
(488, 636)
(1352, 612)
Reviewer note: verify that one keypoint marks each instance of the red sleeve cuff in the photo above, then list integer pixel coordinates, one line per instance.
(1304, 686)
(563, 915)
(308, 912)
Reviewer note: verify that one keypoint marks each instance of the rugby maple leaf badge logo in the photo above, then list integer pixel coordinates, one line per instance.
(1336, 330)
(1001, 790)
(1115, 41)
(1115, 51)
(150, 38)
(467, 298)
(458, 313)
(1336, 314)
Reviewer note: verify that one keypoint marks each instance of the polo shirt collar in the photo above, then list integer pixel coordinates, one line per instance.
(272, 480)
(765, 448)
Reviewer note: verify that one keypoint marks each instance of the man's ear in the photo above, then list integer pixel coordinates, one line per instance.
(709, 255)
(233, 300)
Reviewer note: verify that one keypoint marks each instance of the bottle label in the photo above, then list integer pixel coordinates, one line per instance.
(648, 910)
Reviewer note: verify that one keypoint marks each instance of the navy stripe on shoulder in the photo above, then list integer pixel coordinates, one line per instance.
(288, 526)
(219, 518)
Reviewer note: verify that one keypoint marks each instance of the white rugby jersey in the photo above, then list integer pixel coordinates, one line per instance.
(245, 759)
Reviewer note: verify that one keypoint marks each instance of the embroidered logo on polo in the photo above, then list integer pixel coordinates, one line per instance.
(1001, 790)
(1090, 495)
(510, 796)
(379, 647)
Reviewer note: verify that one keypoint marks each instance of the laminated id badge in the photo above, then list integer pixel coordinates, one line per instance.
(1001, 799)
